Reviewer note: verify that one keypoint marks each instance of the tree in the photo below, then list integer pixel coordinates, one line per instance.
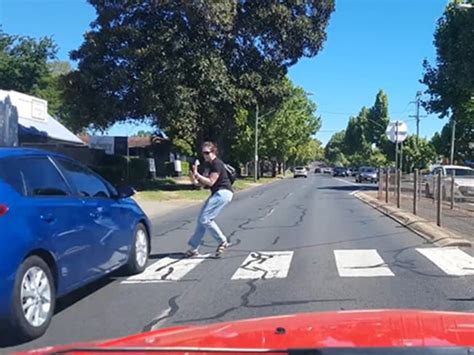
(284, 135)
(450, 81)
(290, 130)
(334, 150)
(417, 155)
(190, 65)
(52, 89)
(143, 133)
(377, 119)
(24, 62)
(355, 137)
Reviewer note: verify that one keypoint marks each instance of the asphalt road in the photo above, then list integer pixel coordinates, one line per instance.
(300, 245)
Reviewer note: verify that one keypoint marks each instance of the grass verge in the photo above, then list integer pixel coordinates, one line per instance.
(155, 194)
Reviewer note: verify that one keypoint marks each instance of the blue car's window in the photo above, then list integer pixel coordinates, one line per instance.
(12, 177)
(84, 180)
(36, 177)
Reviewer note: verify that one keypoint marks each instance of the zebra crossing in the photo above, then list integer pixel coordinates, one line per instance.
(268, 265)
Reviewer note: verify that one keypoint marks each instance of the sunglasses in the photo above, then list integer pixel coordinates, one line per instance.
(206, 153)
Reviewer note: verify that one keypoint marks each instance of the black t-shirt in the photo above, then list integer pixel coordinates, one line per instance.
(223, 182)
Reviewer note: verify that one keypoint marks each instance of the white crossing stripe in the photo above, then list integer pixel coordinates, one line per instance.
(264, 265)
(166, 269)
(360, 263)
(453, 261)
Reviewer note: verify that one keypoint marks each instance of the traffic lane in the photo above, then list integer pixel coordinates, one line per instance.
(218, 297)
(108, 308)
(313, 283)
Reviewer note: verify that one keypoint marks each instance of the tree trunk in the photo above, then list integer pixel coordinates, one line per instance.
(274, 168)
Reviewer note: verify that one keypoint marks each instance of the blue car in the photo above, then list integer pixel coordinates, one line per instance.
(61, 227)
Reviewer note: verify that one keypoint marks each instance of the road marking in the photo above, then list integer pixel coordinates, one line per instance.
(360, 263)
(453, 261)
(347, 182)
(354, 192)
(165, 270)
(264, 265)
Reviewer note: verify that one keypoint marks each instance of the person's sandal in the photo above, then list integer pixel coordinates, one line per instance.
(190, 253)
(221, 248)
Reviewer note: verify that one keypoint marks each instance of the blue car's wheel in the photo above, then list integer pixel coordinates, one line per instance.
(34, 298)
(139, 250)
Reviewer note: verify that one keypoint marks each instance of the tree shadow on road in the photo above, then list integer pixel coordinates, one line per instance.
(349, 188)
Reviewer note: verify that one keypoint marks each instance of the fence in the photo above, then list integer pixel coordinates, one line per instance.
(435, 198)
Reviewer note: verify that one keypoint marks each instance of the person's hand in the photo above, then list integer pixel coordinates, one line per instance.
(194, 169)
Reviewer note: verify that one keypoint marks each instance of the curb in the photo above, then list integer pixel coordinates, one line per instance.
(425, 229)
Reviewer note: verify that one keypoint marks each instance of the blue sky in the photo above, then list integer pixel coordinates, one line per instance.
(371, 45)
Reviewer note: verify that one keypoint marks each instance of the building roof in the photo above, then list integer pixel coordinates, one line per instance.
(33, 117)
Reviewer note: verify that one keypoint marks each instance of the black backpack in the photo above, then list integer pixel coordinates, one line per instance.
(231, 173)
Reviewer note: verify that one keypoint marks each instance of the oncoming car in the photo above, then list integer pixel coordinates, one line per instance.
(62, 226)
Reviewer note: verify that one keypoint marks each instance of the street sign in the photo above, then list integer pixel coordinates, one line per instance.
(151, 165)
(397, 131)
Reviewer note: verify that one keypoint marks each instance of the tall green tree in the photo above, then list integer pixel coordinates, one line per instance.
(286, 134)
(190, 65)
(377, 119)
(355, 139)
(291, 129)
(52, 88)
(464, 136)
(24, 62)
(450, 80)
(335, 148)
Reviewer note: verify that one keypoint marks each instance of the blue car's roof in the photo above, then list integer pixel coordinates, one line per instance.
(16, 152)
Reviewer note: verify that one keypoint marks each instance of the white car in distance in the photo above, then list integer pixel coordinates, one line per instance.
(300, 171)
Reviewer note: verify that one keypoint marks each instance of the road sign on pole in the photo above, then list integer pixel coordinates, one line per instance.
(397, 131)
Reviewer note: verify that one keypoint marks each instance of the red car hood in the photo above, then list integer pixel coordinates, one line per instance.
(371, 328)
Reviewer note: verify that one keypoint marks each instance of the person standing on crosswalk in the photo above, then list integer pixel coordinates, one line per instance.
(221, 194)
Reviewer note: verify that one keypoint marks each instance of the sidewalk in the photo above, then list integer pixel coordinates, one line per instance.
(458, 220)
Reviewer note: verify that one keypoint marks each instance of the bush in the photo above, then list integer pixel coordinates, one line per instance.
(114, 170)
(113, 174)
(138, 169)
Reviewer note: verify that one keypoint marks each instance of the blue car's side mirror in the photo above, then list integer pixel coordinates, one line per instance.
(125, 191)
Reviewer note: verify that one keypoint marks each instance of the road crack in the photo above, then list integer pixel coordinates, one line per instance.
(170, 312)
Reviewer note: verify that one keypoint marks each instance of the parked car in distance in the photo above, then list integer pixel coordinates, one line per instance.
(318, 170)
(62, 227)
(300, 171)
(340, 171)
(353, 171)
(367, 174)
(463, 182)
(327, 170)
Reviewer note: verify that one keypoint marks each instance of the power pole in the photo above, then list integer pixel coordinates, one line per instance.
(255, 176)
(453, 139)
(417, 116)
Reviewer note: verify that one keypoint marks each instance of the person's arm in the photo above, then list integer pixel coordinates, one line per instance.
(207, 181)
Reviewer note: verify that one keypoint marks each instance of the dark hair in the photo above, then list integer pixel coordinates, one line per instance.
(211, 145)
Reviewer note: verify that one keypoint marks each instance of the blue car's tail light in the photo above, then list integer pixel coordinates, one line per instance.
(3, 210)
